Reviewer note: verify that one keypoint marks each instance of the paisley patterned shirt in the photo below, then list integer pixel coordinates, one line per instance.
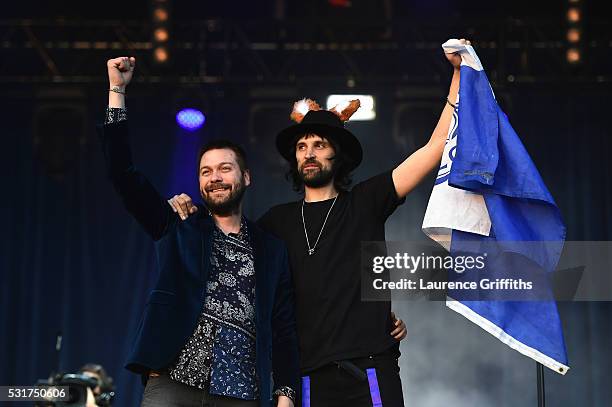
(220, 354)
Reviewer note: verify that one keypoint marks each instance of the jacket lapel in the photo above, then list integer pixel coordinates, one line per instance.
(206, 228)
(260, 264)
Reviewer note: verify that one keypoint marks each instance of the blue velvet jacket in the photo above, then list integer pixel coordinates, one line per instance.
(183, 251)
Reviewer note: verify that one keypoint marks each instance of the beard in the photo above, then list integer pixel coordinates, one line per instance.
(227, 205)
(317, 178)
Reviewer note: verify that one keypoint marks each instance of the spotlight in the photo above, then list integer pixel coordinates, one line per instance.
(340, 3)
(160, 54)
(573, 35)
(573, 15)
(161, 34)
(190, 119)
(573, 56)
(160, 15)
(574, 53)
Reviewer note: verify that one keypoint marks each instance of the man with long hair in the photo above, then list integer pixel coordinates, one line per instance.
(347, 357)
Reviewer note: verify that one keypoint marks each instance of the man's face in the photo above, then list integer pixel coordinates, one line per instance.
(222, 182)
(314, 156)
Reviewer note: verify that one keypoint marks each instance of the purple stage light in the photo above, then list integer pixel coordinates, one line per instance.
(190, 119)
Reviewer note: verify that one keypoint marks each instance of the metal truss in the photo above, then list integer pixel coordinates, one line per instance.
(282, 52)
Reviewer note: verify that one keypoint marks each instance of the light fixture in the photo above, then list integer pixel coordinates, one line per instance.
(573, 35)
(160, 14)
(573, 55)
(160, 54)
(190, 119)
(160, 34)
(573, 15)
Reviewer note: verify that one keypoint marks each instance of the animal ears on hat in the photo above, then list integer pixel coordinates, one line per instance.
(347, 111)
(302, 107)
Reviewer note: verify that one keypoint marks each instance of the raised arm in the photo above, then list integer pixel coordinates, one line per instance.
(140, 198)
(411, 171)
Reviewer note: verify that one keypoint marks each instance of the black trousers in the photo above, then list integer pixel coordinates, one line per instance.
(335, 385)
(162, 391)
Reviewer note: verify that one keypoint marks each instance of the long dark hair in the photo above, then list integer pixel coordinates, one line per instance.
(340, 163)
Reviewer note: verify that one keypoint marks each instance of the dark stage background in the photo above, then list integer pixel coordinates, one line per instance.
(73, 261)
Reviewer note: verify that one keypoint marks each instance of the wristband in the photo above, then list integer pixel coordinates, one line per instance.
(116, 89)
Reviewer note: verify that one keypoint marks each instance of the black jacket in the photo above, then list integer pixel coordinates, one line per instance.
(183, 255)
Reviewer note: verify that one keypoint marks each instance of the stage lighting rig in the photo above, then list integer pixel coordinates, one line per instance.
(160, 33)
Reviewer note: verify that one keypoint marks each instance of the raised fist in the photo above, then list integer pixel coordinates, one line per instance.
(120, 71)
(454, 58)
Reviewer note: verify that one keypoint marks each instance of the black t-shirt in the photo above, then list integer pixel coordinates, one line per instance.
(332, 321)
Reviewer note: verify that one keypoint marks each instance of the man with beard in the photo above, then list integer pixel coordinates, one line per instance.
(347, 357)
(206, 339)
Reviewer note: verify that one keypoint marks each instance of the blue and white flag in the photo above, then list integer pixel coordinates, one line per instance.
(489, 191)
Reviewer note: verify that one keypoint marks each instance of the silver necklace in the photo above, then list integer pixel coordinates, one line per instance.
(311, 250)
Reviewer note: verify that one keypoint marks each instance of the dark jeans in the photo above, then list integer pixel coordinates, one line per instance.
(162, 391)
(333, 386)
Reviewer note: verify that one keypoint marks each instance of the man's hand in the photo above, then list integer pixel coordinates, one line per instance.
(454, 58)
(284, 401)
(400, 331)
(120, 71)
(183, 205)
(420, 163)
